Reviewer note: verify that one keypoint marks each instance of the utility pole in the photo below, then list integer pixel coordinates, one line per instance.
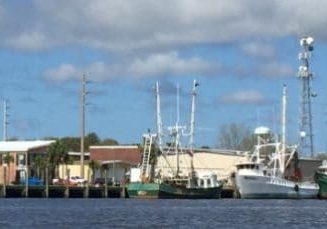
(5, 119)
(82, 120)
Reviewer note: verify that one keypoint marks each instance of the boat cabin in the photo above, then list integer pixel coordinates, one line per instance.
(247, 166)
(322, 169)
(207, 181)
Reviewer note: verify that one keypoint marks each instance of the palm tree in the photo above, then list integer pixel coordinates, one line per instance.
(7, 159)
(57, 154)
(94, 165)
(40, 162)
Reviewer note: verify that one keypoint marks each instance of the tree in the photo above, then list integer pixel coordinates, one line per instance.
(39, 163)
(57, 154)
(109, 142)
(91, 139)
(72, 143)
(235, 136)
(94, 165)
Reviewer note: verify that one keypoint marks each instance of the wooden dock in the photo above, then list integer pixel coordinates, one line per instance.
(60, 191)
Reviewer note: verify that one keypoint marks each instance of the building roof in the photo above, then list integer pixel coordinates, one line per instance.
(118, 162)
(22, 146)
(115, 147)
(78, 153)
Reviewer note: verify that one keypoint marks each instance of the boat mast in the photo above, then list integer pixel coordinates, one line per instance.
(177, 129)
(192, 124)
(160, 133)
(159, 120)
(284, 110)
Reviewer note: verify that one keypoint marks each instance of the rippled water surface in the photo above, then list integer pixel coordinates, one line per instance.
(129, 213)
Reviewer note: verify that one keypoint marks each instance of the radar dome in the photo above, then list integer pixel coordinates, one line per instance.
(261, 130)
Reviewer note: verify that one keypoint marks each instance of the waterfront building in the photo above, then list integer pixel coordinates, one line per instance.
(14, 168)
(117, 161)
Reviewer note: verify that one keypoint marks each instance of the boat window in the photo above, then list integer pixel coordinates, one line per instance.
(201, 182)
(209, 182)
(256, 167)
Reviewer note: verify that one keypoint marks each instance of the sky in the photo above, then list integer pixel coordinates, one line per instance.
(240, 51)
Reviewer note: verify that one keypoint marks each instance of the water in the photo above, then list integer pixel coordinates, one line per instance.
(129, 213)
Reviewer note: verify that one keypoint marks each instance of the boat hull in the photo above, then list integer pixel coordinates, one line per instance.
(265, 187)
(321, 180)
(167, 191)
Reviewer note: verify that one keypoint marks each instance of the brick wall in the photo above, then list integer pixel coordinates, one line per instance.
(128, 154)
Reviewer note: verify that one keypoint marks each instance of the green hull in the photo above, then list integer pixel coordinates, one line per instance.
(167, 191)
(321, 180)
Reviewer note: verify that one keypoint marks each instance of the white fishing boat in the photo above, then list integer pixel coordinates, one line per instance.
(262, 178)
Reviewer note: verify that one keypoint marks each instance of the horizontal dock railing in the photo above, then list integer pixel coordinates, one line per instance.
(61, 191)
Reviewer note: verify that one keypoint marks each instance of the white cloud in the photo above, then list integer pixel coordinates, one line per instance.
(29, 41)
(62, 73)
(259, 50)
(244, 97)
(275, 70)
(154, 65)
(161, 25)
(170, 64)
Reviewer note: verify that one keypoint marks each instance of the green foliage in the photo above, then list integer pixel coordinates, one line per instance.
(109, 142)
(72, 143)
(57, 154)
(8, 158)
(39, 163)
(91, 139)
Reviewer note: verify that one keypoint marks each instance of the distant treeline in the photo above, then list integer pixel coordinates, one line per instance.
(74, 143)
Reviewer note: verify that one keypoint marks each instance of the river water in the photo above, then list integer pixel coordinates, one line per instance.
(129, 213)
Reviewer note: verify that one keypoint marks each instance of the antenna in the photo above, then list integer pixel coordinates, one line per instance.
(305, 76)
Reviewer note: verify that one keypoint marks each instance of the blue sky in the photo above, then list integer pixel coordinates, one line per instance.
(241, 52)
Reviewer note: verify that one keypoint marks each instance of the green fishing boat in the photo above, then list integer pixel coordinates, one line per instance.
(148, 182)
(321, 179)
(169, 191)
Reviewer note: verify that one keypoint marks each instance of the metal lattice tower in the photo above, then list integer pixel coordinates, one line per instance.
(305, 76)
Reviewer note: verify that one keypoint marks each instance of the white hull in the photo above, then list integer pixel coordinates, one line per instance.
(258, 186)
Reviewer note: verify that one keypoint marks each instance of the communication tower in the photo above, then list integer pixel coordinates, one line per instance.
(305, 123)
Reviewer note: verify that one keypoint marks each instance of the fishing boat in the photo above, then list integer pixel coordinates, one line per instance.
(321, 179)
(265, 177)
(148, 182)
